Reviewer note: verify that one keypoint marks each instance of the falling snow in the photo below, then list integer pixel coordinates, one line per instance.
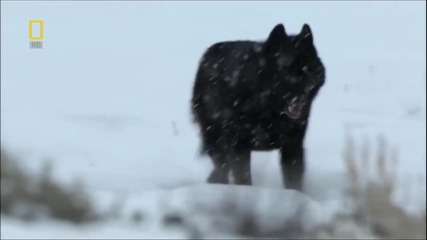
(234, 78)
(257, 47)
(141, 148)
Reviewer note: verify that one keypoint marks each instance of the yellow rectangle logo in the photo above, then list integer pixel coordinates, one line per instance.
(40, 35)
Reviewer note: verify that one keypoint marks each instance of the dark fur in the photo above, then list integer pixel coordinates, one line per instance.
(257, 96)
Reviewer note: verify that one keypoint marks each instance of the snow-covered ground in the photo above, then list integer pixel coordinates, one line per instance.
(108, 99)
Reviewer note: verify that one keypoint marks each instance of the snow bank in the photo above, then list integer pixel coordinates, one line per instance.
(206, 210)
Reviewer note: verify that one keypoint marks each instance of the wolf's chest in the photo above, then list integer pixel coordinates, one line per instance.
(265, 137)
(262, 138)
(268, 135)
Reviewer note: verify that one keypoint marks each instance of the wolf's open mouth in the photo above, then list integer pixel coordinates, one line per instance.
(294, 110)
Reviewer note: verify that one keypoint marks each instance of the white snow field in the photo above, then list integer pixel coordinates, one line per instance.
(108, 99)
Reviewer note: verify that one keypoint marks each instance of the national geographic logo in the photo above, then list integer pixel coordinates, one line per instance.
(36, 34)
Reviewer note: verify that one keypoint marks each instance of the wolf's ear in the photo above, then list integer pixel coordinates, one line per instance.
(306, 36)
(277, 36)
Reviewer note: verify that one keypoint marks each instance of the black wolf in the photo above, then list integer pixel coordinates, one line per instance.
(256, 96)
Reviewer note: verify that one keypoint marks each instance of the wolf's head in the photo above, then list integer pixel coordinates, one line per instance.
(294, 69)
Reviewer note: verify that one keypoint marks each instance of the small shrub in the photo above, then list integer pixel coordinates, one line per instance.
(30, 197)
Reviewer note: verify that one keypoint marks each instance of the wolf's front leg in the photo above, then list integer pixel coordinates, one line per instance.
(292, 165)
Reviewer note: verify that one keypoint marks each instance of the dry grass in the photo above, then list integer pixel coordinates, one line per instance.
(372, 184)
(32, 197)
(374, 199)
